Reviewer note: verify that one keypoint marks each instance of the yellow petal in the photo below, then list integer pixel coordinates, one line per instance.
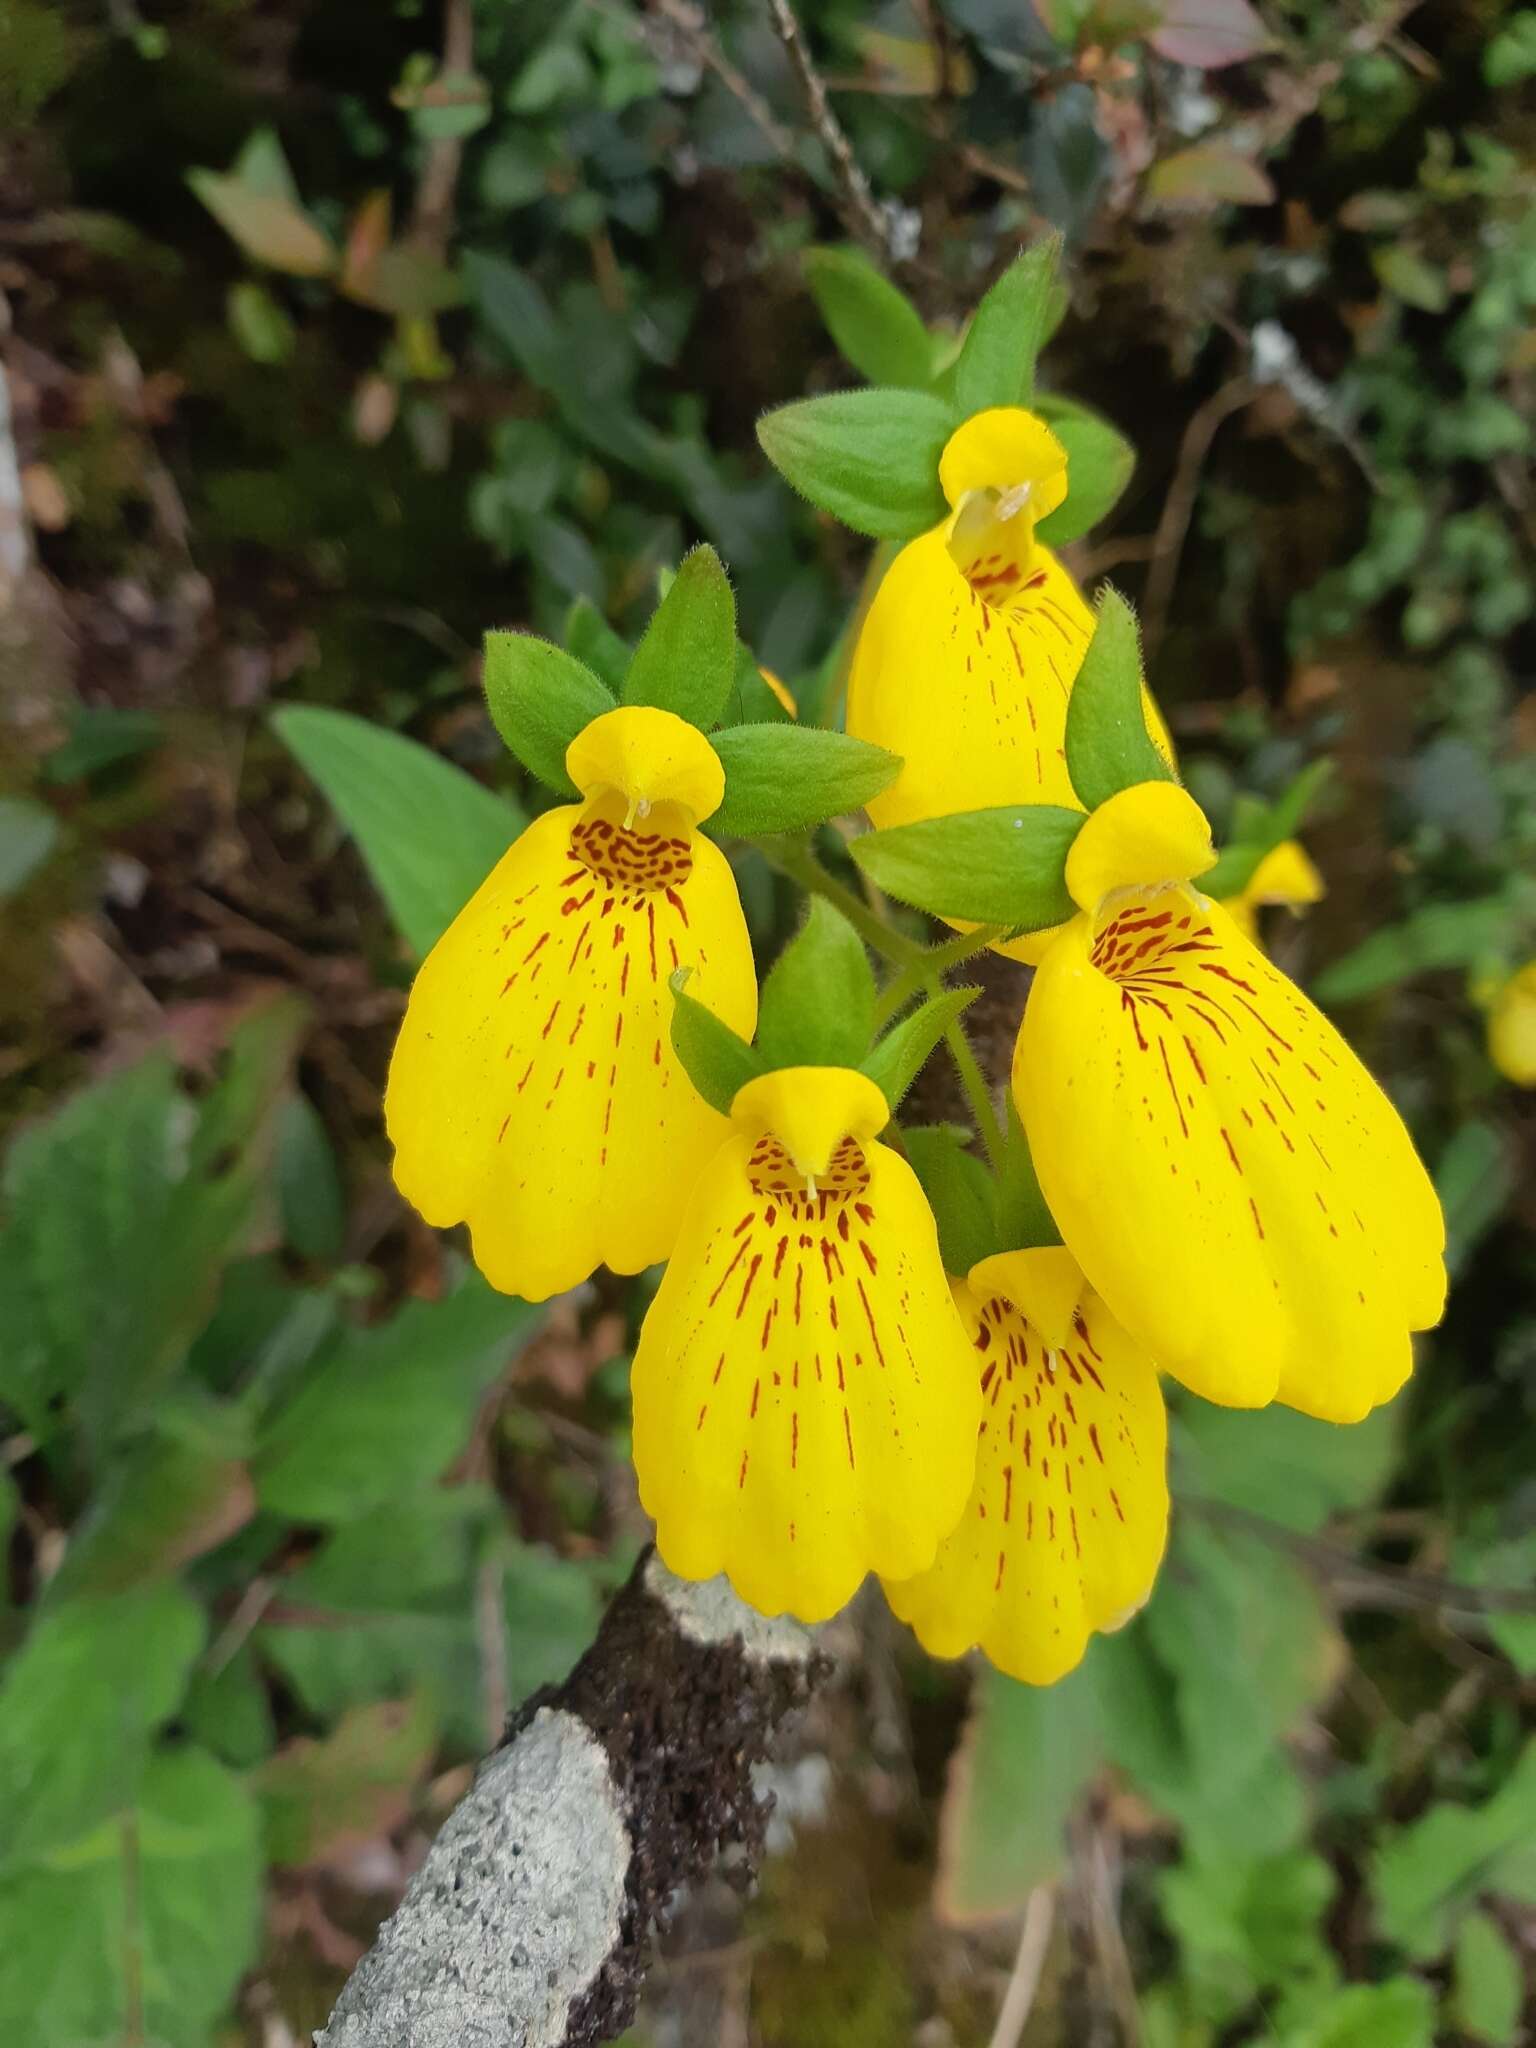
(649, 758)
(805, 1395)
(1152, 832)
(1046, 1283)
(1068, 1516)
(534, 1093)
(811, 1110)
(1235, 1185)
(1512, 1029)
(781, 690)
(1010, 453)
(1288, 876)
(973, 697)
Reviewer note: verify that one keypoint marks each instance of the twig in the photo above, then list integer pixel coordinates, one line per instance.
(864, 215)
(1179, 506)
(15, 535)
(530, 1922)
(1027, 1965)
(432, 216)
(692, 26)
(1354, 1583)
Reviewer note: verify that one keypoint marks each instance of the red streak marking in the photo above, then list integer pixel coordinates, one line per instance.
(1115, 1499)
(624, 977)
(1257, 1224)
(549, 1022)
(702, 1413)
(794, 1440)
(503, 1131)
(741, 1476)
(524, 1081)
(799, 1284)
(650, 913)
(847, 1432)
(677, 904)
(1093, 1438)
(779, 1256)
(538, 945)
(726, 1275)
(869, 1317)
(1194, 1058)
(757, 1260)
(1172, 1090)
(1007, 1493)
(1231, 1149)
(757, 1388)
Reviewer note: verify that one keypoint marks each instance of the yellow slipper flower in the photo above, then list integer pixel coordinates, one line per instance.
(1512, 1028)
(1068, 1517)
(1285, 876)
(1235, 1185)
(534, 1092)
(805, 1394)
(967, 655)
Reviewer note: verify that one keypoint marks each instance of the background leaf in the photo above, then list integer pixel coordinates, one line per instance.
(876, 326)
(818, 1003)
(429, 833)
(785, 778)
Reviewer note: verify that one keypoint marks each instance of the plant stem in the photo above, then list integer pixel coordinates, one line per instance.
(976, 1093)
(936, 960)
(802, 866)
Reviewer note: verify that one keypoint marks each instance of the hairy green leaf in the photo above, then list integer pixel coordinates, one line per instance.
(540, 697)
(902, 1054)
(714, 1057)
(870, 458)
(1108, 745)
(876, 326)
(818, 1003)
(1099, 465)
(996, 365)
(687, 657)
(1005, 866)
(786, 777)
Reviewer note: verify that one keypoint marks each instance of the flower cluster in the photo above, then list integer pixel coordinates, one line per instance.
(867, 1352)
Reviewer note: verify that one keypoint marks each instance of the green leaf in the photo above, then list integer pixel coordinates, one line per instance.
(140, 1931)
(102, 736)
(1429, 1873)
(1027, 1754)
(164, 1500)
(1005, 866)
(1249, 1926)
(1263, 828)
(959, 1191)
(1436, 936)
(902, 1054)
(93, 1315)
(80, 1704)
(382, 1411)
(1475, 1177)
(29, 832)
(876, 326)
(786, 778)
(1108, 745)
(818, 1003)
(388, 1606)
(593, 641)
(996, 365)
(228, 1711)
(353, 1784)
(1282, 1464)
(870, 458)
(1398, 2014)
(309, 1190)
(1490, 1986)
(1207, 175)
(1024, 1219)
(429, 833)
(686, 659)
(716, 1060)
(540, 698)
(1099, 465)
(256, 202)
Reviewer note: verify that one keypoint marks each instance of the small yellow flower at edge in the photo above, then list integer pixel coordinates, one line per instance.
(805, 1394)
(1235, 1185)
(1512, 1028)
(534, 1092)
(968, 653)
(1068, 1517)
(1286, 876)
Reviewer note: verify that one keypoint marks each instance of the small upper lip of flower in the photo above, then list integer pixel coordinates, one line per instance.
(649, 758)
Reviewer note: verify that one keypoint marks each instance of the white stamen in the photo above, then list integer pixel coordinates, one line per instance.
(1013, 501)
